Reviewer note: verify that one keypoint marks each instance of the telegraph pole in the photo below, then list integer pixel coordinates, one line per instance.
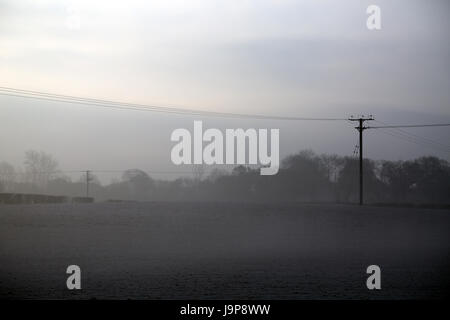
(87, 183)
(361, 128)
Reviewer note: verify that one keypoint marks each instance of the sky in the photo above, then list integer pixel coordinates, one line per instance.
(273, 57)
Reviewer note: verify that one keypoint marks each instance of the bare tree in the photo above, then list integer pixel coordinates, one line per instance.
(140, 184)
(198, 172)
(216, 173)
(333, 164)
(40, 167)
(7, 176)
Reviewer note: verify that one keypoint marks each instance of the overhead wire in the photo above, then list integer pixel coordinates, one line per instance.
(40, 95)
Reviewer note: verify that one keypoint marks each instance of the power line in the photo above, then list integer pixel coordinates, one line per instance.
(412, 126)
(40, 95)
(409, 139)
(95, 171)
(418, 137)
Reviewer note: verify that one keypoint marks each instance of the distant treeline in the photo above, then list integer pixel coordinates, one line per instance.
(305, 176)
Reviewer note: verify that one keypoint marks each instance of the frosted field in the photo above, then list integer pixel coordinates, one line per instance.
(222, 251)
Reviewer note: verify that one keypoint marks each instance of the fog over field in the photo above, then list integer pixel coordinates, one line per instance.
(223, 251)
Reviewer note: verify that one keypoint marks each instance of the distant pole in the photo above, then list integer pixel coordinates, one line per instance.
(87, 183)
(361, 128)
(361, 185)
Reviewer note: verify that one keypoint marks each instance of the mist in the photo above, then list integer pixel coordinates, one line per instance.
(283, 58)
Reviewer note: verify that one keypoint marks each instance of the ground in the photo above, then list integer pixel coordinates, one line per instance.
(223, 251)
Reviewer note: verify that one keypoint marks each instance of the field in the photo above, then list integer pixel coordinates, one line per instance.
(223, 251)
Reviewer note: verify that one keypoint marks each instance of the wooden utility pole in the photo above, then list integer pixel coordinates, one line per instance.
(87, 183)
(361, 128)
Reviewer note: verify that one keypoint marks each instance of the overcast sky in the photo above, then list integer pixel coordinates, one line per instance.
(279, 57)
